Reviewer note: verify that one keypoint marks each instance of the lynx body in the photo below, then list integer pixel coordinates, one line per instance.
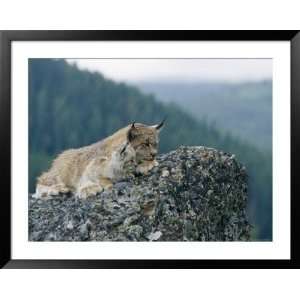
(89, 170)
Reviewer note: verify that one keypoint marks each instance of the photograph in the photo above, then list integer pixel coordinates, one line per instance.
(139, 149)
(150, 149)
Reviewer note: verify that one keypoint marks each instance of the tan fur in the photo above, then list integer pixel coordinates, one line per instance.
(89, 170)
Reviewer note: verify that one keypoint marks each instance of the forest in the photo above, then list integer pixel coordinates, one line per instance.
(70, 108)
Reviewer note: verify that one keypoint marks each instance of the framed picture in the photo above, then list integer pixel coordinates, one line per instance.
(149, 149)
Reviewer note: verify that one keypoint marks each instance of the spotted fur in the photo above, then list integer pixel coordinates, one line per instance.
(89, 170)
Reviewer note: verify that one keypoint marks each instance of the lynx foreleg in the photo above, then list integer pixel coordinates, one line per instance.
(49, 185)
(92, 181)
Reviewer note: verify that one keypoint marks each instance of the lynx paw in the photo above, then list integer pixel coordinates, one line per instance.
(89, 191)
(145, 167)
(45, 192)
(106, 183)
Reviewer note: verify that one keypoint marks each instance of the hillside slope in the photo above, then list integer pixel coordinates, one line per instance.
(244, 109)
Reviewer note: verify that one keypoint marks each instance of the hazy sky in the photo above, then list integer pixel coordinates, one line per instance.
(132, 70)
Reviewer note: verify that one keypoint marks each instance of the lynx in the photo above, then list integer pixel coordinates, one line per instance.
(91, 169)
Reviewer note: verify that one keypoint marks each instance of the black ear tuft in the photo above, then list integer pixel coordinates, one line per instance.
(161, 124)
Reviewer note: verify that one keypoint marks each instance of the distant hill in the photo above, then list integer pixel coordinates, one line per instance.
(70, 108)
(243, 109)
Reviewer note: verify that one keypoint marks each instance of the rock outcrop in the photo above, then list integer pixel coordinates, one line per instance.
(195, 194)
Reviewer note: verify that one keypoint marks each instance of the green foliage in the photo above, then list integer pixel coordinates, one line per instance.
(70, 108)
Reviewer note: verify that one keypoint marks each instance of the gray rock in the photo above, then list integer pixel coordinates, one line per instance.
(154, 236)
(201, 197)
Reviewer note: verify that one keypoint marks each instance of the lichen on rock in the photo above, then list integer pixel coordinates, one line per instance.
(194, 194)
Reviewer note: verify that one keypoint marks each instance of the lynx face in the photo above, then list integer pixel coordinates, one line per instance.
(144, 140)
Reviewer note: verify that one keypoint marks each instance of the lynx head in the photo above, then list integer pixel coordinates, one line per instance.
(144, 140)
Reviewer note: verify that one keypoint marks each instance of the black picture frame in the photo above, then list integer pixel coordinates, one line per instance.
(6, 39)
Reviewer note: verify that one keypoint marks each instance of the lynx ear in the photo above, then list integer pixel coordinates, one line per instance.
(160, 125)
(132, 132)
